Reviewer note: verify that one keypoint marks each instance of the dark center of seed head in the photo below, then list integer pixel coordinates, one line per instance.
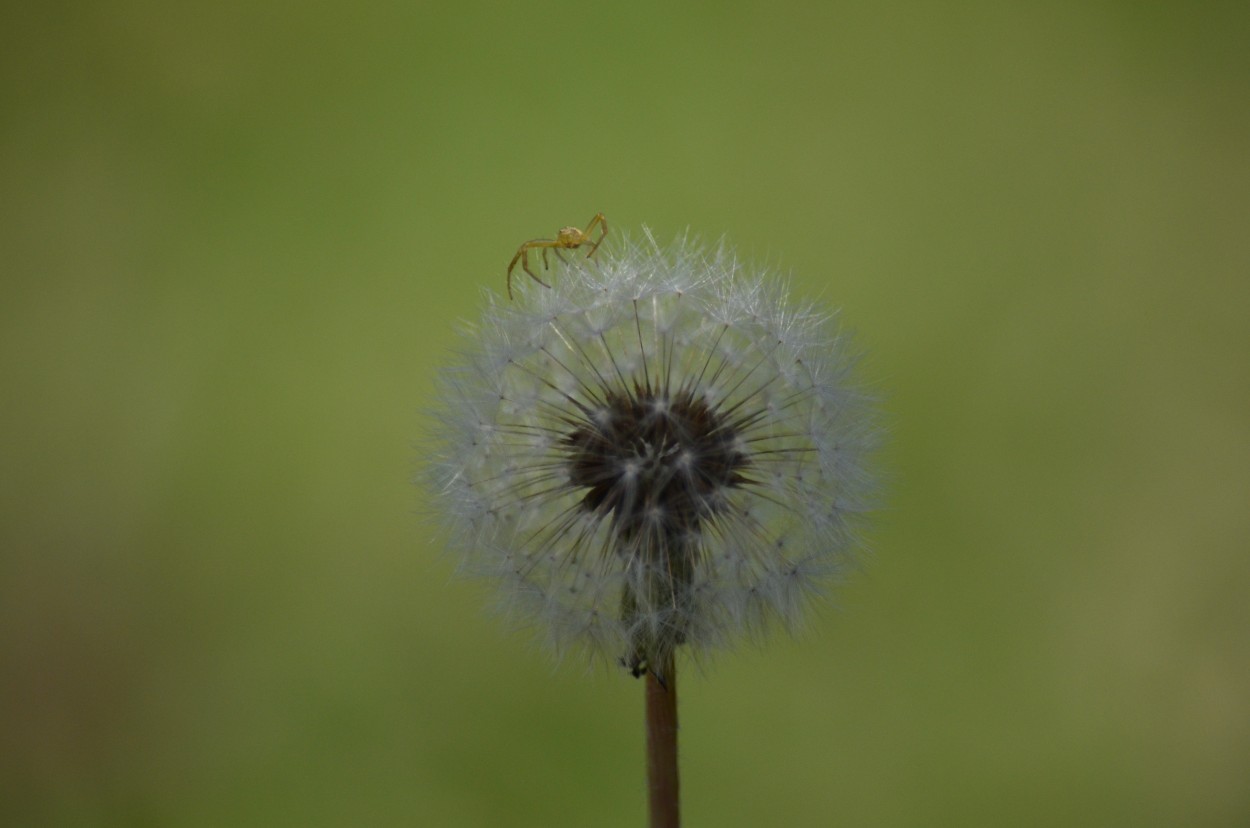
(653, 459)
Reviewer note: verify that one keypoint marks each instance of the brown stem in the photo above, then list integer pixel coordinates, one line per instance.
(662, 747)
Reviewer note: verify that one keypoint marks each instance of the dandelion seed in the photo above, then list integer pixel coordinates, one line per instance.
(659, 451)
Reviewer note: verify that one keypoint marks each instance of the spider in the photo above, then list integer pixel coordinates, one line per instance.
(568, 238)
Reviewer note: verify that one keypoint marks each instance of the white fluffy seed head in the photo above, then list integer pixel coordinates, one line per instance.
(659, 450)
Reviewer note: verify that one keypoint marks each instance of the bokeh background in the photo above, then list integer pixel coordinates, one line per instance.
(235, 239)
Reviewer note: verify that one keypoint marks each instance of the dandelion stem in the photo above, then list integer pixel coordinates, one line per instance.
(662, 746)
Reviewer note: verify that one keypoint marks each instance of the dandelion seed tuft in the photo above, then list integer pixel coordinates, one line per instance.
(659, 450)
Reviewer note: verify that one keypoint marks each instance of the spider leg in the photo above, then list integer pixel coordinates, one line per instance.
(525, 264)
(520, 252)
(600, 220)
(523, 256)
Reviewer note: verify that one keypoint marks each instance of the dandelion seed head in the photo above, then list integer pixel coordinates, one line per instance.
(660, 450)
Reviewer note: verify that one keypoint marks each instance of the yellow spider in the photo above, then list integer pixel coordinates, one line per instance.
(568, 238)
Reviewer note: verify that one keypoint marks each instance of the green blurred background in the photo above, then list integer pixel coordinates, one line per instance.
(235, 241)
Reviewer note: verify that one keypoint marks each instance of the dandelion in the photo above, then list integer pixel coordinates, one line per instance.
(661, 451)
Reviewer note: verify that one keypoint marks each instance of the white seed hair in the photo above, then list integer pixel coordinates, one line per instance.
(762, 542)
